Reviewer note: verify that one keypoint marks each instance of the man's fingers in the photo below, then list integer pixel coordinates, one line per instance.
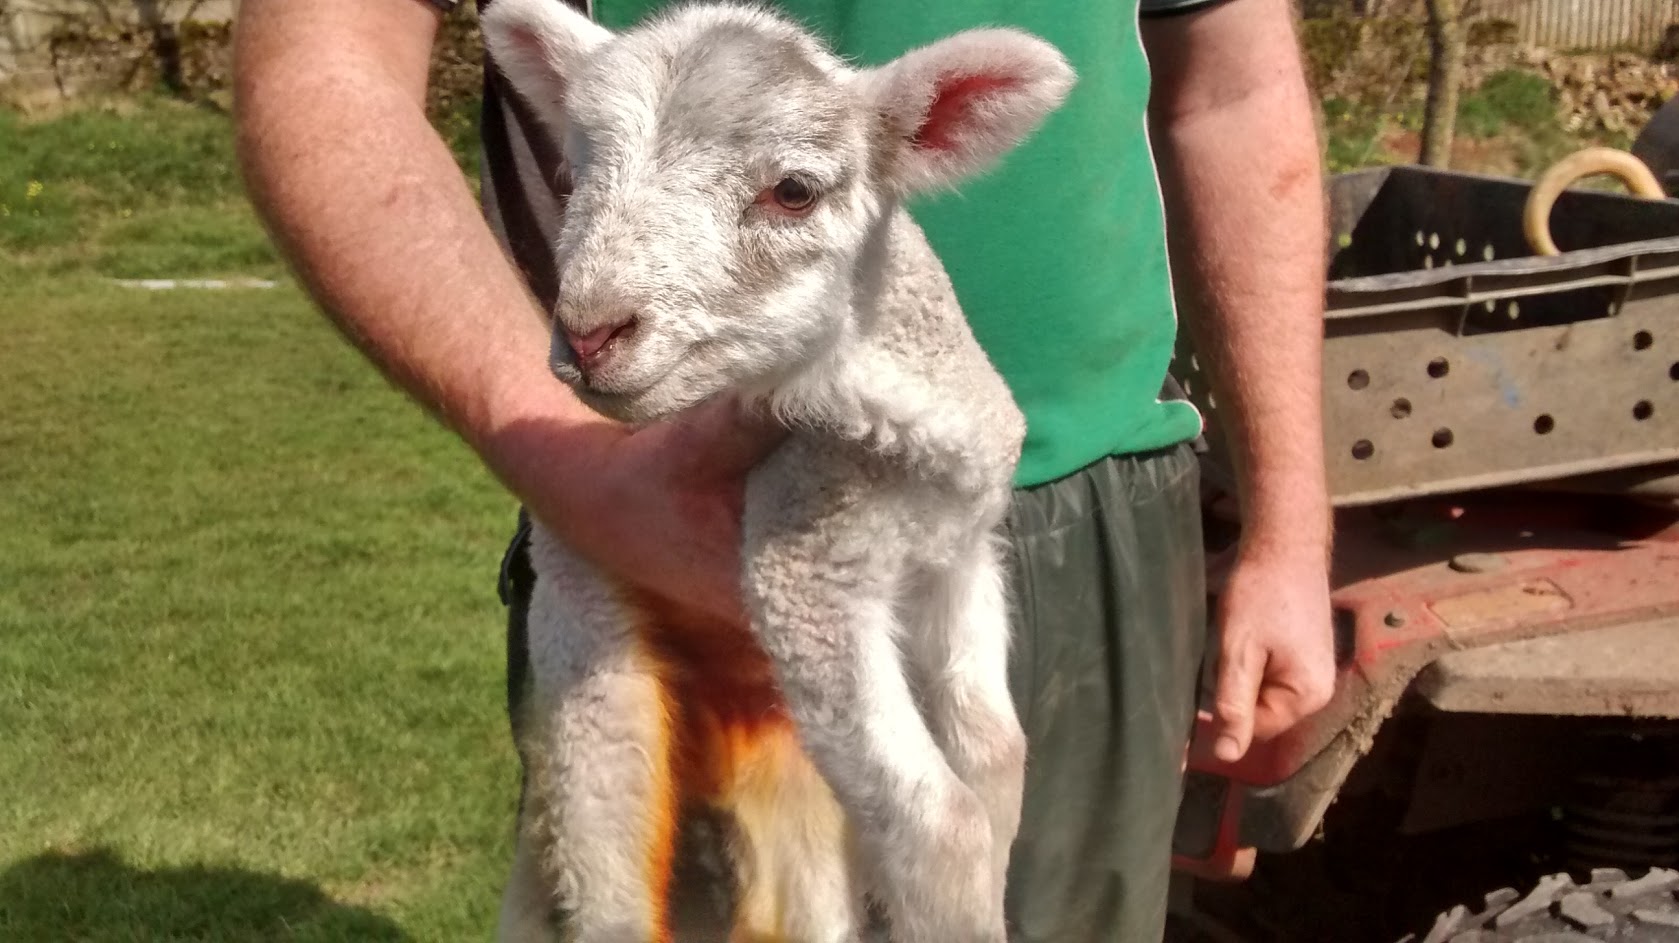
(1277, 711)
(1284, 702)
(726, 439)
(755, 435)
(1240, 673)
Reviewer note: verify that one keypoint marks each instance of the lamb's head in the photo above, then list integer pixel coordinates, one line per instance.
(729, 173)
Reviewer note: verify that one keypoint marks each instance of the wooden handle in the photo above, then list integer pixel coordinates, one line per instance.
(1536, 217)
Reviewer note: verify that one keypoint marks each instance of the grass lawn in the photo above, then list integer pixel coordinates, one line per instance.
(250, 648)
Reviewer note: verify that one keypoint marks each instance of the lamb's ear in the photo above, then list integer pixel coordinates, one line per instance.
(538, 43)
(954, 107)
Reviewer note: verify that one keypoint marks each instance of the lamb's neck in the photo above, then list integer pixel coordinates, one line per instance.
(902, 292)
(879, 383)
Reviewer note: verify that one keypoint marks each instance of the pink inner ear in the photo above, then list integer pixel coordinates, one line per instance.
(527, 42)
(953, 102)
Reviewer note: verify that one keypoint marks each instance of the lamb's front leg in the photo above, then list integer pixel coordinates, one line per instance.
(960, 647)
(527, 904)
(925, 836)
(601, 809)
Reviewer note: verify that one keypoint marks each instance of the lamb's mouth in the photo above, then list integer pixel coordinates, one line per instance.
(636, 393)
(622, 403)
(602, 380)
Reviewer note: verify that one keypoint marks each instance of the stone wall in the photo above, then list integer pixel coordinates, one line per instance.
(81, 52)
(28, 27)
(1382, 63)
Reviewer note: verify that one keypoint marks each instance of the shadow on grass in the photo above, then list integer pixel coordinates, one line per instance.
(95, 897)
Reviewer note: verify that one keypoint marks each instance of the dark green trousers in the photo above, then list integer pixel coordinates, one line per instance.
(1109, 631)
(1109, 622)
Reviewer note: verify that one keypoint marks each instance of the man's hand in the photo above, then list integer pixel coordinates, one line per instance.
(657, 509)
(668, 507)
(1276, 656)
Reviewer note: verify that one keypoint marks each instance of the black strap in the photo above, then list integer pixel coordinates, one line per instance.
(528, 239)
(1180, 9)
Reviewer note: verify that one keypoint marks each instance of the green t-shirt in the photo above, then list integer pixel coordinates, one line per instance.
(1058, 256)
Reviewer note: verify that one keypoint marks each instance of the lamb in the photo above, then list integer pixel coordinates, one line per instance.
(736, 228)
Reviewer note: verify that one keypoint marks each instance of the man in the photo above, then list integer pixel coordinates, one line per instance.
(1061, 262)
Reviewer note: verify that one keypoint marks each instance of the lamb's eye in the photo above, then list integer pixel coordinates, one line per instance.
(793, 195)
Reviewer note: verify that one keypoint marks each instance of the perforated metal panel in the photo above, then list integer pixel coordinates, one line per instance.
(1453, 361)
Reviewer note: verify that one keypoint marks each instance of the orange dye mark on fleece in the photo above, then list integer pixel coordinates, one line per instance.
(730, 744)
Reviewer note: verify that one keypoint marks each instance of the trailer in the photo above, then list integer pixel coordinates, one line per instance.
(1502, 434)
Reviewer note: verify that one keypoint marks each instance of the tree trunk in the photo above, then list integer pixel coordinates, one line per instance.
(166, 46)
(1445, 77)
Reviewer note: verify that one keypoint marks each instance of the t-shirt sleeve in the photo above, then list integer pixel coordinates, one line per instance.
(1174, 7)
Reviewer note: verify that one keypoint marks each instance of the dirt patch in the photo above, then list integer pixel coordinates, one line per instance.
(1499, 155)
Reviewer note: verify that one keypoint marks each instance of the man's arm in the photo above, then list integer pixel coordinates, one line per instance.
(1234, 137)
(367, 202)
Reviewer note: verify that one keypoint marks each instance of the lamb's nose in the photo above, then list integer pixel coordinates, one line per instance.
(588, 346)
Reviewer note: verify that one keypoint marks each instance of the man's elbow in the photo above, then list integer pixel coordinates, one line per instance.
(1273, 92)
(1231, 59)
(269, 67)
(261, 51)
(286, 48)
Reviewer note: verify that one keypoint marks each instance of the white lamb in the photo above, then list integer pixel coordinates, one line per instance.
(736, 228)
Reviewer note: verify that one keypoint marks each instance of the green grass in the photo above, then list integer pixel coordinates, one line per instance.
(146, 189)
(1509, 100)
(1353, 136)
(143, 188)
(1507, 126)
(250, 648)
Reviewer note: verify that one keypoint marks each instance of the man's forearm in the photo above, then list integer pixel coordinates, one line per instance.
(1237, 148)
(367, 202)
(370, 207)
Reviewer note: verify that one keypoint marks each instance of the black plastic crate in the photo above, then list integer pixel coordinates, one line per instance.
(1454, 359)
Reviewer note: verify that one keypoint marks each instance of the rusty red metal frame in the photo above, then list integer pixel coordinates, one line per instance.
(1412, 583)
